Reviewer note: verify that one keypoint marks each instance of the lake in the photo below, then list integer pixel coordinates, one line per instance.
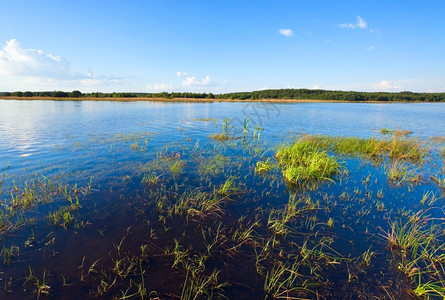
(138, 200)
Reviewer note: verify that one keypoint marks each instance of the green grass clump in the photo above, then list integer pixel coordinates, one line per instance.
(304, 160)
(264, 166)
(229, 187)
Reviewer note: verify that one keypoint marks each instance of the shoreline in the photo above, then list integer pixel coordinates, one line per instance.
(198, 100)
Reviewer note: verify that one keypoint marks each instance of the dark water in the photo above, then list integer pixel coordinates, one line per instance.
(102, 155)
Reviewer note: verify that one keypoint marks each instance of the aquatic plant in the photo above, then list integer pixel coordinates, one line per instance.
(428, 198)
(399, 172)
(439, 179)
(212, 165)
(224, 134)
(264, 166)
(198, 205)
(366, 257)
(151, 178)
(246, 122)
(228, 187)
(204, 119)
(419, 249)
(396, 132)
(177, 167)
(61, 217)
(200, 286)
(396, 147)
(430, 289)
(305, 161)
(39, 287)
(9, 253)
(284, 281)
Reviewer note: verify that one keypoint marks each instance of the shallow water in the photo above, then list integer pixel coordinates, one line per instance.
(101, 155)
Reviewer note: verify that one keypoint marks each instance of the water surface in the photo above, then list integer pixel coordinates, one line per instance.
(117, 173)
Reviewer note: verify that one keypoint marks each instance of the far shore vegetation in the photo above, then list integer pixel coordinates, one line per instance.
(278, 94)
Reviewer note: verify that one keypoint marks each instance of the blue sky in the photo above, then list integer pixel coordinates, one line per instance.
(222, 46)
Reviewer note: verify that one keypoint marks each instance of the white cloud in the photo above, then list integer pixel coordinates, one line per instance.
(14, 60)
(360, 24)
(192, 81)
(387, 85)
(34, 69)
(286, 32)
(179, 73)
(159, 87)
(370, 48)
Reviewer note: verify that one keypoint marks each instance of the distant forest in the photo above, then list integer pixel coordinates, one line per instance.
(296, 94)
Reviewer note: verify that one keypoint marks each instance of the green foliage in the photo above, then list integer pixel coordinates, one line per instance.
(75, 94)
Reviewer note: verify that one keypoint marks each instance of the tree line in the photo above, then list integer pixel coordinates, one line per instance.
(297, 94)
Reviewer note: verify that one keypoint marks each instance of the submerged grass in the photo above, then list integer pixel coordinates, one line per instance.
(213, 165)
